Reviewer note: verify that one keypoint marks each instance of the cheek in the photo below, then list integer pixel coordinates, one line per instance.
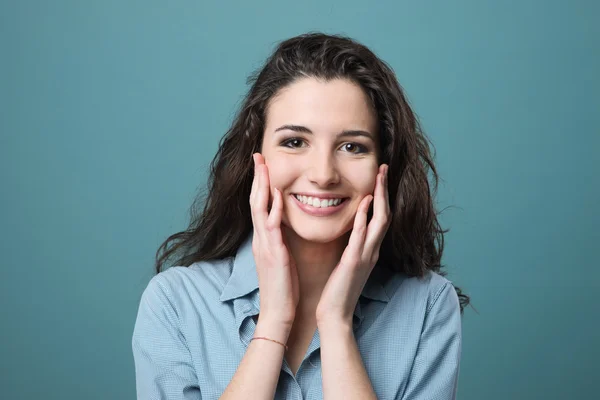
(364, 181)
(275, 175)
(280, 177)
(283, 171)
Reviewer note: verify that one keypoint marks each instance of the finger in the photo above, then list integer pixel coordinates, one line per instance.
(357, 237)
(253, 208)
(260, 159)
(264, 190)
(386, 190)
(381, 214)
(274, 219)
(379, 202)
(254, 179)
(259, 210)
(387, 195)
(263, 195)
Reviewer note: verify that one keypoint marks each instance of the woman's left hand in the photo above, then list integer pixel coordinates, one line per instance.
(346, 282)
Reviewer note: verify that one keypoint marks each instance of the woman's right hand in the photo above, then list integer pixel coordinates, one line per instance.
(275, 266)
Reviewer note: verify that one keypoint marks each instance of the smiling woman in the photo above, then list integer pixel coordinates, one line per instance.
(334, 155)
(314, 266)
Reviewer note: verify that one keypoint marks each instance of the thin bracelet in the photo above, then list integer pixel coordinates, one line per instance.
(272, 340)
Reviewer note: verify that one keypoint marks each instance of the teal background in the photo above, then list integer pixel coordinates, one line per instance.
(110, 112)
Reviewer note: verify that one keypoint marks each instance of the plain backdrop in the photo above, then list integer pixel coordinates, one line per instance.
(111, 111)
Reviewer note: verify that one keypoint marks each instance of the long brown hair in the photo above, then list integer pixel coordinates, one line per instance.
(414, 242)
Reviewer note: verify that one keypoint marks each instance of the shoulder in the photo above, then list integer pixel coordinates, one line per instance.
(438, 289)
(179, 285)
(432, 328)
(431, 290)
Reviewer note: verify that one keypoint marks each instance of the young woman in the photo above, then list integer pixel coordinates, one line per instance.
(313, 270)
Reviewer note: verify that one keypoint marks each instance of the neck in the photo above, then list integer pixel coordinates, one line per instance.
(314, 262)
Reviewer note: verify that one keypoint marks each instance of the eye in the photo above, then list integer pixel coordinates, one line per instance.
(355, 148)
(292, 143)
(350, 147)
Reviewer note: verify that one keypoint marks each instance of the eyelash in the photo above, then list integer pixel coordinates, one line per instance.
(361, 147)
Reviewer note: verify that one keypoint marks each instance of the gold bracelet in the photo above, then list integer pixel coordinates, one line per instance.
(272, 340)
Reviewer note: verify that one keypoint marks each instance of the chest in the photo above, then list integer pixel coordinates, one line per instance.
(218, 345)
(300, 338)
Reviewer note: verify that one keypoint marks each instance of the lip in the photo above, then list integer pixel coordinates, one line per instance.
(321, 196)
(319, 212)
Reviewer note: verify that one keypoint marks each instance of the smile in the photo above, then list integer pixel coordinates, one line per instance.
(318, 203)
(321, 207)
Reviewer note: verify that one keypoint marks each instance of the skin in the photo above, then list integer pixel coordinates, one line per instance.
(311, 270)
(319, 162)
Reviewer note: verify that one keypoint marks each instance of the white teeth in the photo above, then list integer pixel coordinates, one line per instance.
(318, 203)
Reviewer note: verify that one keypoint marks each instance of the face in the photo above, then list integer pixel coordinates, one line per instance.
(321, 139)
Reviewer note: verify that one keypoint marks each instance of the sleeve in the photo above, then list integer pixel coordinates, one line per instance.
(163, 363)
(434, 375)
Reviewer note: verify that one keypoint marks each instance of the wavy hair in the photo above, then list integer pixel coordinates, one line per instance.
(220, 216)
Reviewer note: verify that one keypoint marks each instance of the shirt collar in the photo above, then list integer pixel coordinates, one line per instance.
(244, 280)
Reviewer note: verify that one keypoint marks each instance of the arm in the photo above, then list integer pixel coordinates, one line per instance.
(434, 374)
(163, 363)
(258, 372)
(344, 375)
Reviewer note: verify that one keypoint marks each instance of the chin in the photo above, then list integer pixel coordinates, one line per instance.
(318, 232)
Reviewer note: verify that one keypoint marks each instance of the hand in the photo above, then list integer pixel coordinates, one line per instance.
(345, 284)
(275, 266)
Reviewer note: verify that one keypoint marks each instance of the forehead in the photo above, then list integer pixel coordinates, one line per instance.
(329, 106)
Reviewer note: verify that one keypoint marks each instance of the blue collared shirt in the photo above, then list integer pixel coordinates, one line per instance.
(194, 325)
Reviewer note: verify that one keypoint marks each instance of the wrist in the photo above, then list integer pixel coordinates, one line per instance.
(337, 326)
(272, 330)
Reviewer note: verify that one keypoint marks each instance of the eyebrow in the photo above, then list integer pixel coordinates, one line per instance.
(346, 133)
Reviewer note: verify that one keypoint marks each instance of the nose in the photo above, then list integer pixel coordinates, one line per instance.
(322, 170)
